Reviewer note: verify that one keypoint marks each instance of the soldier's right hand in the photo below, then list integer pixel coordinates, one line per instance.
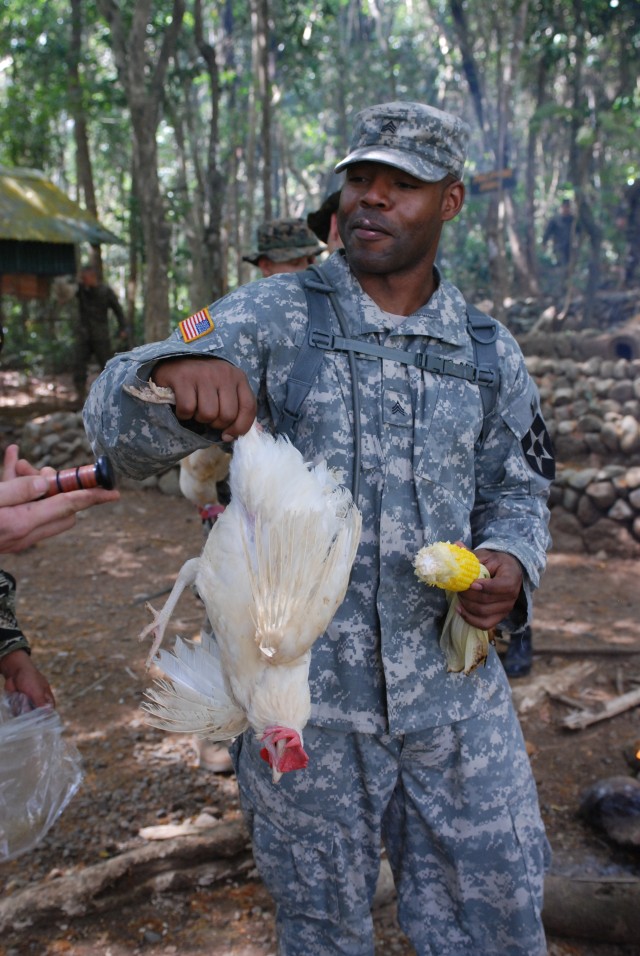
(210, 391)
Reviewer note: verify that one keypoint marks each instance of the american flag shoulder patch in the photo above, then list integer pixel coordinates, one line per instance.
(196, 326)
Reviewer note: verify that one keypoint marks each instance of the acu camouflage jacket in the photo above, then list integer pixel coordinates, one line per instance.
(379, 667)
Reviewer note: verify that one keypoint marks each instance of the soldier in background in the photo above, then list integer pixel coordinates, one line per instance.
(324, 222)
(284, 245)
(92, 337)
(560, 231)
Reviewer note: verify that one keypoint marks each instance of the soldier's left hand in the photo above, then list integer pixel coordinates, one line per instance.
(489, 601)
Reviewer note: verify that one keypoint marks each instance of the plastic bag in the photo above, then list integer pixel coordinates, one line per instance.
(40, 772)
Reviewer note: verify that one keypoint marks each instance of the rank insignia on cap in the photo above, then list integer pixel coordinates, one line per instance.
(196, 326)
(538, 449)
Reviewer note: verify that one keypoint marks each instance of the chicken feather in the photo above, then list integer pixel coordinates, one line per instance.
(273, 571)
(195, 699)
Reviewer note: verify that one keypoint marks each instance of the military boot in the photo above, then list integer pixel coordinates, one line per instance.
(519, 657)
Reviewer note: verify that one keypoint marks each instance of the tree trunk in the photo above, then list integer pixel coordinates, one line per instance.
(155, 229)
(143, 83)
(264, 95)
(212, 186)
(496, 135)
(531, 242)
(84, 167)
(194, 215)
(590, 226)
(526, 282)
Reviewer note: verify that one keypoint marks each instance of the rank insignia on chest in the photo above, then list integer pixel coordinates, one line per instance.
(196, 326)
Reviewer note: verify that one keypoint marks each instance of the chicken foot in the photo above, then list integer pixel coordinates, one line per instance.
(157, 627)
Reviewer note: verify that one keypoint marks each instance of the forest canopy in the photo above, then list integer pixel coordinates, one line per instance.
(182, 124)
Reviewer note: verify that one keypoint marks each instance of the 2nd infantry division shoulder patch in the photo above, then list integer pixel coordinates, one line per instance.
(196, 326)
(538, 449)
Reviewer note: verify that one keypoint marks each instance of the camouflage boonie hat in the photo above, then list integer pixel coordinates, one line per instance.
(418, 139)
(282, 240)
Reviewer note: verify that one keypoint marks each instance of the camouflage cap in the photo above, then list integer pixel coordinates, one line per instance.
(282, 240)
(421, 140)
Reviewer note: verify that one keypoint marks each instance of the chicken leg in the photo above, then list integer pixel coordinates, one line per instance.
(157, 627)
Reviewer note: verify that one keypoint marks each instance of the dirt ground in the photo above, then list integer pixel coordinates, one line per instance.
(81, 602)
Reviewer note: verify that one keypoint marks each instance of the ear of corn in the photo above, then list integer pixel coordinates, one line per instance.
(447, 566)
(453, 568)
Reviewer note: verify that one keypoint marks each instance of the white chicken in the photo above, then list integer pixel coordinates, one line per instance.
(272, 574)
(201, 476)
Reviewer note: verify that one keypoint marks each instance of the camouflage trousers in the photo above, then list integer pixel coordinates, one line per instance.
(457, 811)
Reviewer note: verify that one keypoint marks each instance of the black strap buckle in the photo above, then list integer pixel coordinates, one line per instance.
(322, 340)
(485, 375)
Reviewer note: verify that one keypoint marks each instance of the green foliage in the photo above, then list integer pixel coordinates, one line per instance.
(575, 90)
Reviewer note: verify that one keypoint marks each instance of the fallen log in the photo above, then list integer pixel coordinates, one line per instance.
(528, 695)
(156, 867)
(603, 910)
(578, 720)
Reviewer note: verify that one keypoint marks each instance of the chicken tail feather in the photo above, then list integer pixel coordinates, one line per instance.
(193, 698)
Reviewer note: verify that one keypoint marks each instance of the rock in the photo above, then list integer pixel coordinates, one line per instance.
(588, 512)
(613, 805)
(633, 477)
(620, 511)
(602, 494)
(580, 479)
(622, 391)
(590, 423)
(629, 435)
(563, 396)
(570, 500)
(609, 436)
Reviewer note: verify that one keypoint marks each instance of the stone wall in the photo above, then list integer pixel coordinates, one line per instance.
(592, 409)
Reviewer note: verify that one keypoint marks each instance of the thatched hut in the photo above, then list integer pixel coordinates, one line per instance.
(40, 229)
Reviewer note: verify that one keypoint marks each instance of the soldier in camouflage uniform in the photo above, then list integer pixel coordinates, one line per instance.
(95, 301)
(431, 763)
(284, 245)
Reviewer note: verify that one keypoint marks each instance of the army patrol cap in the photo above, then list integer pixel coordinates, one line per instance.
(282, 240)
(421, 140)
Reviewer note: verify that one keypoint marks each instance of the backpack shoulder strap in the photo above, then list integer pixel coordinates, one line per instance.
(483, 331)
(307, 363)
(319, 338)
